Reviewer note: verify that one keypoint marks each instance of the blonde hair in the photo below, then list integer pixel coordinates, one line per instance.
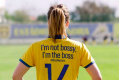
(58, 16)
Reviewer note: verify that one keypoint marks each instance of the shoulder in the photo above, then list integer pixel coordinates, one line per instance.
(41, 42)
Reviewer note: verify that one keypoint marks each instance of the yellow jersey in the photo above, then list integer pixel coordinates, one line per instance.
(59, 60)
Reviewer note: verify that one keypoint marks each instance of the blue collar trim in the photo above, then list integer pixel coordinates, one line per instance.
(58, 37)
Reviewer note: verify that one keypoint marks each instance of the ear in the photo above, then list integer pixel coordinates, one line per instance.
(67, 24)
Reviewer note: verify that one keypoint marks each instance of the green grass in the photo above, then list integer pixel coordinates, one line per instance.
(106, 57)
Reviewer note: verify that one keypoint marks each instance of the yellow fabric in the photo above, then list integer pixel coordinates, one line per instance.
(62, 53)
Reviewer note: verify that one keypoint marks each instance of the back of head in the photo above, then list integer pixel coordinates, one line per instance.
(58, 16)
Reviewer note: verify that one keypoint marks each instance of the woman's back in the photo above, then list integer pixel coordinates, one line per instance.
(59, 60)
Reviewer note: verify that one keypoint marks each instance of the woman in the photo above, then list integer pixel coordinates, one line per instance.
(57, 57)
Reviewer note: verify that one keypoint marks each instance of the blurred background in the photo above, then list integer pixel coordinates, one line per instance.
(93, 22)
(25, 21)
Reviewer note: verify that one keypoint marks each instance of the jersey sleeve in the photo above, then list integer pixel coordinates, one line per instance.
(86, 58)
(27, 58)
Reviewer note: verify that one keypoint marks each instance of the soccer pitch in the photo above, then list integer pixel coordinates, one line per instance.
(106, 57)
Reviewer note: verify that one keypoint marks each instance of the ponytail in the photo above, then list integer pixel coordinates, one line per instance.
(56, 23)
(58, 15)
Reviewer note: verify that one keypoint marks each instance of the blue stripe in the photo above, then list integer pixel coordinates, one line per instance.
(24, 63)
(89, 64)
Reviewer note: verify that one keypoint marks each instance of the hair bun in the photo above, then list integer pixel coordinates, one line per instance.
(60, 5)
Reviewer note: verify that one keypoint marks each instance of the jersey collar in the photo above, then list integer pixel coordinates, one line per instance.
(58, 37)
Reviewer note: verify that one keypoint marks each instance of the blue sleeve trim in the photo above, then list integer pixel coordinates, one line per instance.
(89, 64)
(24, 63)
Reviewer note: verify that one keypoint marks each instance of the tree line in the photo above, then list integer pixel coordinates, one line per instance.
(88, 12)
